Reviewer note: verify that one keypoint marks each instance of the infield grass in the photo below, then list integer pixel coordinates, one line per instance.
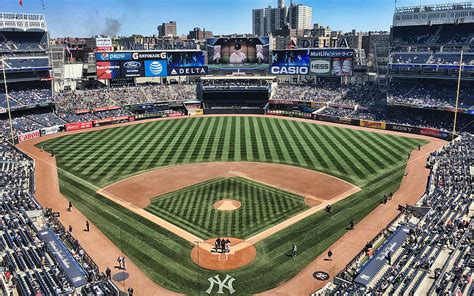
(88, 161)
(262, 206)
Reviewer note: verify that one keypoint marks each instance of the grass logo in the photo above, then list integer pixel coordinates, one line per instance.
(226, 283)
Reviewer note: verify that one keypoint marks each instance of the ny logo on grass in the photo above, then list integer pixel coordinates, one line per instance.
(226, 283)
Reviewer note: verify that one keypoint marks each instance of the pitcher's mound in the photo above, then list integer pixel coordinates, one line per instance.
(227, 205)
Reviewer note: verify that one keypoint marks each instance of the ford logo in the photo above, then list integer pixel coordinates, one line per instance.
(132, 65)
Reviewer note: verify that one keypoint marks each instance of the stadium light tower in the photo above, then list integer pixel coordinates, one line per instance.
(8, 100)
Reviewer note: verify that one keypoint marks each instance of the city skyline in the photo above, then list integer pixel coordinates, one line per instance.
(119, 17)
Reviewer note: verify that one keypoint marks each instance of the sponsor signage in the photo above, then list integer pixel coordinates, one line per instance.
(108, 70)
(28, 136)
(403, 128)
(66, 261)
(320, 67)
(113, 56)
(372, 124)
(187, 71)
(289, 70)
(376, 262)
(107, 108)
(321, 276)
(156, 68)
(103, 44)
(342, 66)
(332, 53)
(149, 55)
(78, 126)
(51, 130)
(132, 69)
(111, 119)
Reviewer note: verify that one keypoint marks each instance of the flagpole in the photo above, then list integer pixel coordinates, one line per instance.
(8, 101)
(457, 94)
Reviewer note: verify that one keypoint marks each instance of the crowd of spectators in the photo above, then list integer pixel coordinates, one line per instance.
(329, 93)
(24, 98)
(91, 99)
(431, 94)
(29, 265)
(436, 256)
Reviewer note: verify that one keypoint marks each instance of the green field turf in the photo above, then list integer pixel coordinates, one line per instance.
(262, 206)
(87, 161)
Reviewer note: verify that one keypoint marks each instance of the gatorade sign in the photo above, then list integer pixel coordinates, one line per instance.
(320, 67)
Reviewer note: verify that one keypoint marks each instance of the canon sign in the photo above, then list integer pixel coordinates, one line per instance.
(320, 67)
(289, 70)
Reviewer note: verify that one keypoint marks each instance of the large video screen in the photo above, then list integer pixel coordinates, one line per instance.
(113, 65)
(318, 62)
(237, 54)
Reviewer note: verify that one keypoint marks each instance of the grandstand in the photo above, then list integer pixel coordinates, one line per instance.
(428, 43)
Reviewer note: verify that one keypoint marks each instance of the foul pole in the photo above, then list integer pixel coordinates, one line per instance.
(457, 94)
(8, 101)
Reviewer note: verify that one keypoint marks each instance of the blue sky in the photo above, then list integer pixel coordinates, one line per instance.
(84, 18)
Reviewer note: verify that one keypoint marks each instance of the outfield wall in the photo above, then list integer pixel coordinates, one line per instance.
(341, 120)
(431, 132)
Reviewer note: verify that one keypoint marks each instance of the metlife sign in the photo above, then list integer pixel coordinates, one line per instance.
(289, 70)
(320, 67)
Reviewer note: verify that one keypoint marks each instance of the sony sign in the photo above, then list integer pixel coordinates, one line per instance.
(289, 70)
(320, 67)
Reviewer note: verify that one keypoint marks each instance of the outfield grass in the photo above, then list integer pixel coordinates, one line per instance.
(262, 207)
(372, 161)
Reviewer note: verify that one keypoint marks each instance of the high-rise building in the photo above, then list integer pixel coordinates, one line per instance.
(271, 19)
(300, 17)
(167, 29)
(199, 34)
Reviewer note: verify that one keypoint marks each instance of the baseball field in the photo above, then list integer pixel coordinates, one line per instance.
(373, 163)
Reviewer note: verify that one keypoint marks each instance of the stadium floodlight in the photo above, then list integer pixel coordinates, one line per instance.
(8, 100)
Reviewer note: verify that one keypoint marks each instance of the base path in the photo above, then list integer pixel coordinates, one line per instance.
(95, 243)
(104, 252)
(140, 189)
(348, 246)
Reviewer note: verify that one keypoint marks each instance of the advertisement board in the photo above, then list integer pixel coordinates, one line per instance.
(51, 130)
(28, 136)
(132, 69)
(290, 62)
(320, 67)
(156, 68)
(402, 128)
(108, 70)
(103, 44)
(332, 53)
(65, 260)
(342, 66)
(115, 65)
(372, 124)
(78, 126)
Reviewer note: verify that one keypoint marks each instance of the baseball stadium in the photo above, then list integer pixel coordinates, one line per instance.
(239, 164)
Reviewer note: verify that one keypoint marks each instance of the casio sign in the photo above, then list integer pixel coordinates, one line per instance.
(132, 65)
(289, 70)
(320, 67)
